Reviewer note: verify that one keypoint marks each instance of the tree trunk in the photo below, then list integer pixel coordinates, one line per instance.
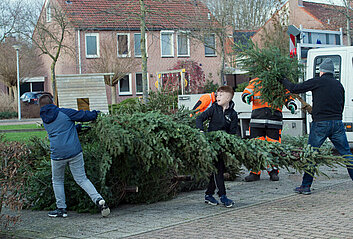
(143, 51)
(114, 95)
(348, 31)
(222, 61)
(13, 92)
(53, 80)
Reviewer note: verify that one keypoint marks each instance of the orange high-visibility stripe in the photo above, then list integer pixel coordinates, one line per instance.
(257, 173)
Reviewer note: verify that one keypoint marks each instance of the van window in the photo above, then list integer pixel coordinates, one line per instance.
(336, 62)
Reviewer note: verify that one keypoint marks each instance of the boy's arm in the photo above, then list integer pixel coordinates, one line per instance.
(80, 115)
(234, 124)
(203, 116)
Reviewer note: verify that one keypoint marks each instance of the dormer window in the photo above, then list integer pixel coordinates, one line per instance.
(48, 12)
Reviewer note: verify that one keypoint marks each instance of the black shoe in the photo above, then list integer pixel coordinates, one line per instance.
(274, 175)
(103, 207)
(60, 212)
(252, 177)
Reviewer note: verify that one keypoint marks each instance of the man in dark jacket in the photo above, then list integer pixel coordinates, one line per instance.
(65, 149)
(222, 116)
(328, 104)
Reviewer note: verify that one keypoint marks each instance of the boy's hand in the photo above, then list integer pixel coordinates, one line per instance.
(248, 99)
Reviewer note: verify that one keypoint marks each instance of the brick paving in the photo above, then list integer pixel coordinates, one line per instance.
(263, 209)
(326, 213)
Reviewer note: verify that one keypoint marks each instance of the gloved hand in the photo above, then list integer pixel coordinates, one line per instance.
(292, 108)
(248, 99)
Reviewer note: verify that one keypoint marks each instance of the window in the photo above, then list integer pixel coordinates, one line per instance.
(183, 45)
(125, 85)
(123, 44)
(92, 45)
(48, 12)
(210, 45)
(137, 44)
(167, 46)
(336, 62)
(138, 83)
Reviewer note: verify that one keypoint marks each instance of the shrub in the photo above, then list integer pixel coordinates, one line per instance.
(210, 86)
(8, 115)
(14, 173)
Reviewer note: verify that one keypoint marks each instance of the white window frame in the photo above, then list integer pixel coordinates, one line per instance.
(140, 44)
(148, 84)
(215, 46)
(130, 86)
(97, 39)
(188, 44)
(128, 44)
(172, 33)
(48, 12)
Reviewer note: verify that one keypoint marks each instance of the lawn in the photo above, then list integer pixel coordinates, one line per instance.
(19, 126)
(22, 136)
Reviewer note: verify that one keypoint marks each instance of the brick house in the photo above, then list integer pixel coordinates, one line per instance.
(309, 15)
(94, 22)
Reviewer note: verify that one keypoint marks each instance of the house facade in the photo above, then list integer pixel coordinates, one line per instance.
(309, 15)
(110, 31)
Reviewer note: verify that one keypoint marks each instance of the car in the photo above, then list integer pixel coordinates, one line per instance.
(33, 97)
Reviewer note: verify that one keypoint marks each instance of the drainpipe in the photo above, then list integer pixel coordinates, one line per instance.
(79, 51)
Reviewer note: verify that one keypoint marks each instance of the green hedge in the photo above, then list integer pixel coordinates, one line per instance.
(8, 115)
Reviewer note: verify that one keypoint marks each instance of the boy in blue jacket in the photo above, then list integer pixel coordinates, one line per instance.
(222, 116)
(65, 149)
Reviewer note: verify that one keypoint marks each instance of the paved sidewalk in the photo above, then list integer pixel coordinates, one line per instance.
(22, 121)
(263, 209)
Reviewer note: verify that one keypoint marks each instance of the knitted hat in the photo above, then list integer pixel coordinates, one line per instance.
(327, 66)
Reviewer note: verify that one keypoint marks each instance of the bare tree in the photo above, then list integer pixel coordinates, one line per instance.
(28, 61)
(11, 18)
(51, 31)
(244, 15)
(346, 10)
(108, 62)
(276, 34)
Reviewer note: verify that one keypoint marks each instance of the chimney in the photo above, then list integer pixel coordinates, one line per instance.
(300, 3)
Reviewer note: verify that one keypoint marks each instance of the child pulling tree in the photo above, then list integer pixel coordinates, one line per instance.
(222, 116)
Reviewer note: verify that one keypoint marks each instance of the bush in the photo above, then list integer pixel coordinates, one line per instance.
(14, 173)
(8, 115)
(210, 86)
(241, 87)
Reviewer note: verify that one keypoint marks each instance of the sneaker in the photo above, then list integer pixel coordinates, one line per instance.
(226, 201)
(274, 175)
(211, 200)
(303, 190)
(59, 212)
(252, 177)
(103, 207)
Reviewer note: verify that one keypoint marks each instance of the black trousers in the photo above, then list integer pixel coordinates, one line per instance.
(268, 134)
(217, 179)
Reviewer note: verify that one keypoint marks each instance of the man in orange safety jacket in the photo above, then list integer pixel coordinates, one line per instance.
(204, 102)
(265, 123)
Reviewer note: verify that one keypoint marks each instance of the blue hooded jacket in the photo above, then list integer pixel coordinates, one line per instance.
(62, 133)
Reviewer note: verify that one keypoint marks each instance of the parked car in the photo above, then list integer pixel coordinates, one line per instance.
(33, 97)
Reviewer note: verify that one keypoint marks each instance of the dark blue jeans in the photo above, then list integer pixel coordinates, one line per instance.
(334, 130)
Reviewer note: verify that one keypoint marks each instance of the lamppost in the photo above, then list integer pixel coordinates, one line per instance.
(17, 48)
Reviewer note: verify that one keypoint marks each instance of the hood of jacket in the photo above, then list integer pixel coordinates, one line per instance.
(49, 113)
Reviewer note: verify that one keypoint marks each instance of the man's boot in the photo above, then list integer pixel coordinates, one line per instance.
(252, 177)
(274, 175)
